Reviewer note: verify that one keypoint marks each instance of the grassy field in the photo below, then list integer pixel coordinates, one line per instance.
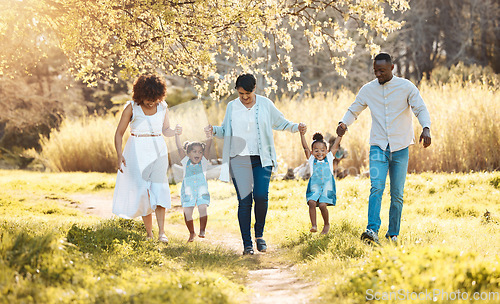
(51, 253)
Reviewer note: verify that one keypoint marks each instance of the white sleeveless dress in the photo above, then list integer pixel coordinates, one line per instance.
(143, 185)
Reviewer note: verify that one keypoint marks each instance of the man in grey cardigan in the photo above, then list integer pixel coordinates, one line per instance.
(391, 100)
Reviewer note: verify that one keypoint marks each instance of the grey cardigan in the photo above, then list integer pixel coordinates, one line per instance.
(269, 118)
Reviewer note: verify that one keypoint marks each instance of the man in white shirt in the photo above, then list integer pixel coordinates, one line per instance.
(391, 100)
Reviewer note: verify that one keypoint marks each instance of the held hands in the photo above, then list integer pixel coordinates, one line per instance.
(302, 128)
(178, 130)
(209, 131)
(426, 136)
(341, 129)
(121, 160)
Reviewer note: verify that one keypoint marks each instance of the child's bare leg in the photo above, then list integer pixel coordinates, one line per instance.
(148, 223)
(190, 227)
(188, 218)
(202, 210)
(312, 215)
(326, 220)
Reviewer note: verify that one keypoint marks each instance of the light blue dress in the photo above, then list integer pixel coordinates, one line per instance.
(321, 187)
(194, 189)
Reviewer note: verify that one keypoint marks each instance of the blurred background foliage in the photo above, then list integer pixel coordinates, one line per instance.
(441, 42)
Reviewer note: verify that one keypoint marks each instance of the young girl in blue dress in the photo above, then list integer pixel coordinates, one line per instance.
(194, 189)
(321, 190)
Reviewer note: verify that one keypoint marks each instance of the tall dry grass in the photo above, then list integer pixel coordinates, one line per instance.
(83, 144)
(465, 131)
(87, 143)
(465, 128)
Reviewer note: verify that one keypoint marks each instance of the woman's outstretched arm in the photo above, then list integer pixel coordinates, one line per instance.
(166, 130)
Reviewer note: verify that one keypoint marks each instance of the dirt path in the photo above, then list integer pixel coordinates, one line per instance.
(274, 284)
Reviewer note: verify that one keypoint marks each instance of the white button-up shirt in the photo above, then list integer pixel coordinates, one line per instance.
(246, 138)
(390, 105)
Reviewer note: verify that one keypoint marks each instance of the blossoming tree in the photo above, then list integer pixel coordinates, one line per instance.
(206, 40)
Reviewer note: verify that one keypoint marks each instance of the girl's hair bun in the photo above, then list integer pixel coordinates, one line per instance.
(318, 136)
(189, 146)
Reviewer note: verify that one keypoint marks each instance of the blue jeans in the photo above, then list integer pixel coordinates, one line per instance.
(251, 182)
(397, 164)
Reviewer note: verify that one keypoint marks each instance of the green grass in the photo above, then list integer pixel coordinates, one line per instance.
(51, 253)
(446, 242)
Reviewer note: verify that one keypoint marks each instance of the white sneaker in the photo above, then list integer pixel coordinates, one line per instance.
(393, 239)
(370, 236)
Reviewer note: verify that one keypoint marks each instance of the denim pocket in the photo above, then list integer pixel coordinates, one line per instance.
(186, 198)
(330, 194)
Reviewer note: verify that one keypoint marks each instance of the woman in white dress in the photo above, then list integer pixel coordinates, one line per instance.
(142, 184)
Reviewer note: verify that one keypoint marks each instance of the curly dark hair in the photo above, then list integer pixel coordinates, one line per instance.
(318, 138)
(149, 87)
